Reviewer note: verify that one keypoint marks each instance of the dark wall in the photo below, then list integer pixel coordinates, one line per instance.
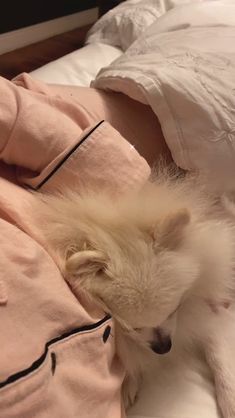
(16, 14)
(106, 5)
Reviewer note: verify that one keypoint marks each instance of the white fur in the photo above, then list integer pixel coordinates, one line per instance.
(144, 255)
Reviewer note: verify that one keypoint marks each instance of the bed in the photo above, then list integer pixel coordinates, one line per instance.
(181, 386)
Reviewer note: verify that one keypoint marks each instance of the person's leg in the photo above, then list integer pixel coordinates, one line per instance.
(135, 121)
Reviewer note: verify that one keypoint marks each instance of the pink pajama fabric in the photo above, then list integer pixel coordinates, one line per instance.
(57, 355)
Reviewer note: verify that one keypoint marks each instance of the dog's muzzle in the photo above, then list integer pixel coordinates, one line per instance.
(161, 343)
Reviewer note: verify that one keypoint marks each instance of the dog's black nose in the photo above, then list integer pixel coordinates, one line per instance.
(162, 342)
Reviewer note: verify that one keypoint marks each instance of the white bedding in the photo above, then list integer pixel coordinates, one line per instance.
(106, 41)
(122, 25)
(180, 388)
(184, 67)
(80, 67)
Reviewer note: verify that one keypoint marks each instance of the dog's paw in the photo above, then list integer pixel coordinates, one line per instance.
(130, 390)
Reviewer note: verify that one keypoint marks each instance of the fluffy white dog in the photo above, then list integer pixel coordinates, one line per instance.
(146, 257)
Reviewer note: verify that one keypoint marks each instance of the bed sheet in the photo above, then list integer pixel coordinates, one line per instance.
(79, 67)
(178, 388)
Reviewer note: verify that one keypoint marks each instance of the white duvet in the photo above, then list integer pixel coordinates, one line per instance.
(184, 67)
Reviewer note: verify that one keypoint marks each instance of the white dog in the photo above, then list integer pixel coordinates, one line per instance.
(146, 257)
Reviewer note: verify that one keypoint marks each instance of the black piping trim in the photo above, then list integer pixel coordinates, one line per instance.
(67, 156)
(37, 363)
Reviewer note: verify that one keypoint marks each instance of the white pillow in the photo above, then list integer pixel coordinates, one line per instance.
(78, 68)
(122, 25)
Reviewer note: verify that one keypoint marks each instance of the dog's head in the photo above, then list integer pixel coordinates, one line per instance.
(139, 275)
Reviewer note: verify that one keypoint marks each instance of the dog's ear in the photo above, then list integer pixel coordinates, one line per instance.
(170, 231)
(85, 262)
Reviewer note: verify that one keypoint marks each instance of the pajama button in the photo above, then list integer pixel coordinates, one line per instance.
(53, 363)
(106, 333)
